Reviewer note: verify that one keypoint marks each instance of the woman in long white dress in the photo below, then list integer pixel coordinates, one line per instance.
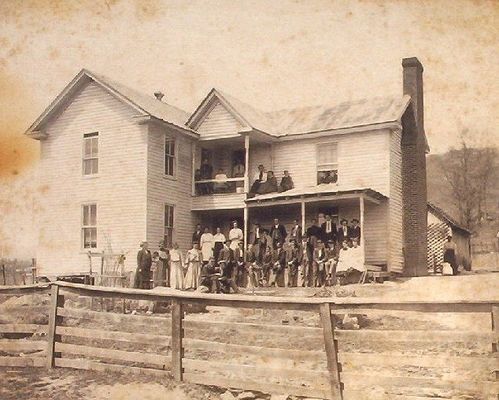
(193, 267)
(176, 268)
(207, 243)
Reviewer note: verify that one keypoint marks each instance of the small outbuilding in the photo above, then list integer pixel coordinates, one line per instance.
(441, 225)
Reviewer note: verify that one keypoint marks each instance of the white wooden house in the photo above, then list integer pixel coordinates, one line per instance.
(118, 167)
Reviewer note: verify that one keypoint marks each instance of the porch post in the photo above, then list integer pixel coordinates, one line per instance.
(362, 234)
(245, 235)
(193, 157)
(246, 166)
(302, 216)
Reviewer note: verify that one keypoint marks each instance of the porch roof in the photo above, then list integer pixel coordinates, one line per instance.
(318, 192)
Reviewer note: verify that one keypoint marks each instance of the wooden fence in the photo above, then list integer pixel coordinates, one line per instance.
(318, 357)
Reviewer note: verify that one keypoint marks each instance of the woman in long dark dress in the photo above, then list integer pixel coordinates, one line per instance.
(450, 254)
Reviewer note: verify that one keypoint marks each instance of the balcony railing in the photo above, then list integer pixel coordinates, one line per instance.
(219, 186)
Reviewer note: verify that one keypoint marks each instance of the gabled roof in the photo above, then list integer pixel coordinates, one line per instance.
(306, 119)
(144, 104)
(441, 214)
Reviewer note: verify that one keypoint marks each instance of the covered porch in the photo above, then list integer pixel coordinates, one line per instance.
(368, 206)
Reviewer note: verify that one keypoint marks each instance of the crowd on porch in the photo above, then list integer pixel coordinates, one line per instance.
(321, 255)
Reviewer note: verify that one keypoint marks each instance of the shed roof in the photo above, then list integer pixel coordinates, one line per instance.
(441, 214)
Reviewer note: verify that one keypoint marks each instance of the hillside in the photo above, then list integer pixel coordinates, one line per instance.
(439, 193)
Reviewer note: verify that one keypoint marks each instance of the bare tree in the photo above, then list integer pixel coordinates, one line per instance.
(469, 172)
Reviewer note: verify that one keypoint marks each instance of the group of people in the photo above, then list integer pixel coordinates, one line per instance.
(220, 184)
(319, 256)
(265, 182)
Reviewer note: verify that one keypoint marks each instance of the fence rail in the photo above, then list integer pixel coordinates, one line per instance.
(319, 361)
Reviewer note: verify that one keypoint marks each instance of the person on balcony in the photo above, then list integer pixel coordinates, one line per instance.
(286, 182)
(207, 242)
(259, 178)
(269, 186)
(221, 185)
(235, 236)
(328, 177)
(206, 172)
(238, 169)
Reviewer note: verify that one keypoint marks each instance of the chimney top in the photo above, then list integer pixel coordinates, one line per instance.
(412, 62)
(159, 95)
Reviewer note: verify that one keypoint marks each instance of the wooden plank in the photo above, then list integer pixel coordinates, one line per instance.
(413, 336)
(78, 363)
(114, 318)
(55, 302)
(22, 346)
(495, 336)
(27, 289)
(255, 371)
(247, 384)
(23, 328)
(426, 361)
(23, 362)
(19, 310)
(176, 341)
(116, 336)
(266, 352)
(355, 381)
(331, 350)
(368, 395)
(121, 355)
(421, 306)
(247, 326)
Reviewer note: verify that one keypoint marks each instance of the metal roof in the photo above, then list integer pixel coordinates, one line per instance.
(447, 218)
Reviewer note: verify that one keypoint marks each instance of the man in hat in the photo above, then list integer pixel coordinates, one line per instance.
(291, 272)
(304, 259)
(296, 233)
(277, 233)
(319, 264)
(260, 178)
(314, 232)
(278, 265)
(343, 231)
(226, 265)
(355, 230)
(143, 273)
(196, 236)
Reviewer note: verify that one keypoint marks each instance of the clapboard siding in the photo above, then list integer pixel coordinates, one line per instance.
(363, 160)
(118, 190)
(395, 231)
(161, 189)
(219, 123)
(223, 201)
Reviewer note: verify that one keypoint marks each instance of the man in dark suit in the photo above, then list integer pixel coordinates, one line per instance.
(291, 271)
(238, 270)
(226, 265)
(343, 231)
(143, 273)
(319, 264)
(314, 232)
(355, 230)
(196, 236)
(277, 233)
(296, 232)
(328, 230)
(278, 264)
(304, 261)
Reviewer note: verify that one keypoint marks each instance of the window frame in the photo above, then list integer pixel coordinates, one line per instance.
(172, 227)
(85, 227)
(174, 156)
(85, 158)
(328, 166)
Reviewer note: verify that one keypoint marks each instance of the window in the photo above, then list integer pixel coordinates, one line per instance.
(327, 163)
(168, 225)
(90, 153)
(170, 156)
(89, 226)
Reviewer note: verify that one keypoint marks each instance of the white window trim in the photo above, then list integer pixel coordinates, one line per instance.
(175, 157)
(90, 176)
(319, 144)
(164, 222)
(82, 245)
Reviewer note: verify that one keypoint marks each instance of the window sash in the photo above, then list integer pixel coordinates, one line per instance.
(168, 216)
(89, 226)
(169, 156)
(90, 155)
(327, 155)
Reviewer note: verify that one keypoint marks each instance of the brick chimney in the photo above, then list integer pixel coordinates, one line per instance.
(413, 86)
(159, 95)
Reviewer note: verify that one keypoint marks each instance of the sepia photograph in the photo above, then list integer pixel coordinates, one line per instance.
(249, 199)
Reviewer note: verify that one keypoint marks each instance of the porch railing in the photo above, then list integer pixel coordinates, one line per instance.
(219, 186)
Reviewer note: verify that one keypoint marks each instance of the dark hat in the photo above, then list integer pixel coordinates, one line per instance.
(355, 220)
(343, 220)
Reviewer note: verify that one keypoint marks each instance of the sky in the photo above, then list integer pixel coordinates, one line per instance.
(271, 54)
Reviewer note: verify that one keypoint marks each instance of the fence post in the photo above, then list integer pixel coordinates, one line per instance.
(177, 335)
(495, 331)
(331, 350)
(55, 301)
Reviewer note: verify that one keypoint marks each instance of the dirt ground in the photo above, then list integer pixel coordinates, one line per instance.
(39, 383)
